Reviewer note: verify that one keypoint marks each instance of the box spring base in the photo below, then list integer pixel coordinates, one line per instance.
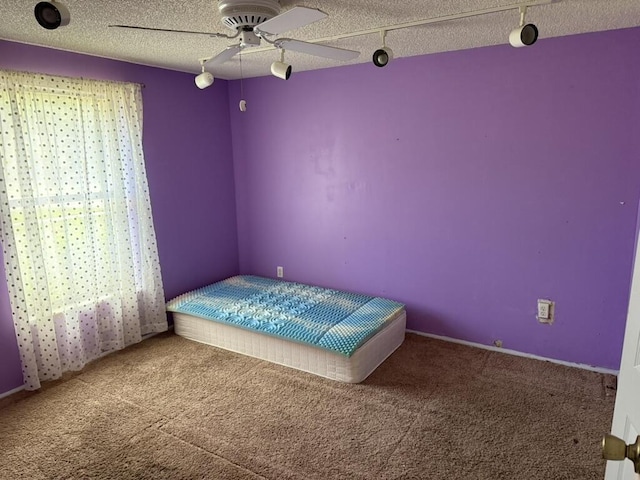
(310, 359)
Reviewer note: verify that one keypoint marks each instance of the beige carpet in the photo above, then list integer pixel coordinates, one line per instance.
(173, 409)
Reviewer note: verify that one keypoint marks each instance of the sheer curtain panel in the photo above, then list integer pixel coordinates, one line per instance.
(75, 221)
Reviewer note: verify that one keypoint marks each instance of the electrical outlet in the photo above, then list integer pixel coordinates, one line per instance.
(280, 272)
(545, 311)
(498, 343)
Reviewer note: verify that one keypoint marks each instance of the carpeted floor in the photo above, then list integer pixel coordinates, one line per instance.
(173, 409)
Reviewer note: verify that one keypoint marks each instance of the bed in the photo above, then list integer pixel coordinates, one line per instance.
(334, 334)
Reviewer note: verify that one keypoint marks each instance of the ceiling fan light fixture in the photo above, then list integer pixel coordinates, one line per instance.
(51, 15)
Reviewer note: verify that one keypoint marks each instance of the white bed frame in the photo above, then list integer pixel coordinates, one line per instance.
(308, 358)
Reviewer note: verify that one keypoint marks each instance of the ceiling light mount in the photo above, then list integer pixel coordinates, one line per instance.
(526, 34)
(51, 15)
(384, 55)
(237, 14)
(204, 79)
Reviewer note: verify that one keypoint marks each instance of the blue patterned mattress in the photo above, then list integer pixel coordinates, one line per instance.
(329, 319)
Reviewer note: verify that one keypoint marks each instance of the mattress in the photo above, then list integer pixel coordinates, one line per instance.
(334, 334)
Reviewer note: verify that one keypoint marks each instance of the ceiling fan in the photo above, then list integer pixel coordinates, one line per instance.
(257, 20)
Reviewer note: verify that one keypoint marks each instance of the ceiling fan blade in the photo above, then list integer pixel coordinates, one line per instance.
(133, 27)
(318, 50)
(295, 18)
(223, 56)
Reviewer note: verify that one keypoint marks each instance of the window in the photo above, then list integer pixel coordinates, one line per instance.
(77, 229)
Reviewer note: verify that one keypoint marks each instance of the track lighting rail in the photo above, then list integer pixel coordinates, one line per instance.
(427, 21)
(208, 34)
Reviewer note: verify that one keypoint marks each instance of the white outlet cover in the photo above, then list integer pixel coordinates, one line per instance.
(545, 311)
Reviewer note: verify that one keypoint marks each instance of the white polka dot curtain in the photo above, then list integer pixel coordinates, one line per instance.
(76, 228)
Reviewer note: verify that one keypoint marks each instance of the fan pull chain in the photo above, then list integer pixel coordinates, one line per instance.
(243, 103)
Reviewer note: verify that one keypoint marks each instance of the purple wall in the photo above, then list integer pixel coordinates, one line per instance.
(465, 184)
(187, 141)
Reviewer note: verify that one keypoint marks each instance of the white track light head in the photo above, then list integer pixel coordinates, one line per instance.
(204, 80)
(382, 57)
(524, 36)
(281, 70)
(51, 15)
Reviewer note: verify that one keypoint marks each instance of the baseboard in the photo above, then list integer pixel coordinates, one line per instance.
(583, 366)
(11, 392)
(153, 334)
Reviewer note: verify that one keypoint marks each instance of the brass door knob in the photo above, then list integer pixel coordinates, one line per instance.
(614, 448)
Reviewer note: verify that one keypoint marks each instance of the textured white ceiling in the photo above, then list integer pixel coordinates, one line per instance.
(89, 33)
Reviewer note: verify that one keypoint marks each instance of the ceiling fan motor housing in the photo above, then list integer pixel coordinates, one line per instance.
(239, 14)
